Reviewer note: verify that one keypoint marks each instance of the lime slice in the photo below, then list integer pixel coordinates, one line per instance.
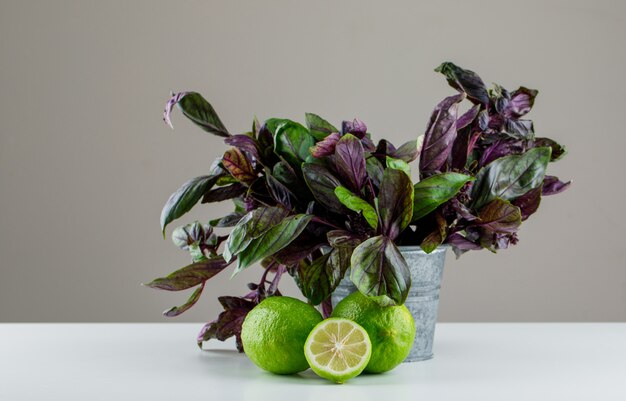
(338, 349)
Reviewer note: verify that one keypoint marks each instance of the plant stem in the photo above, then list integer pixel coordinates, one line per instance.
(318, 220)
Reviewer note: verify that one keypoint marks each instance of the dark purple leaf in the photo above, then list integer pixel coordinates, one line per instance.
(468, 117)
(460, 244)
(465, 81)
(238, 165)
(350, 162)
(355, 127)
(229, 220)
(299, 249)
(198, 110)
(500, 148)
(229, 322)
(190, 276)
(462, 148)
(440, 135)
(552, 185)
(177, 310)
(500, 216)
(558, 151)
(224, 193)
(395, 202)
(280, 192)
(520, 128)
(322, 185)
(529, 202)
(407, 152)
(378, 268)
(326, 147)
(245, 143)
(319, 127)
(185, 197)
(520, 103)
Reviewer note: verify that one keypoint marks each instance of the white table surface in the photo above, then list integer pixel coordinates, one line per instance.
(503, 362)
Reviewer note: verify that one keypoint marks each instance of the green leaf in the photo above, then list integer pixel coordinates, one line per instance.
(198, 110)
(253, 225)
(322, 184)
(378, 268)
(292, 141)
(356, 204)
(319, 127)
(177, 310)
(238, 165)
(436, 190)
(500, 216)
(395, 202)
(399, 164)
(272, 241)
(189, 276)
(510, 177)
(185, 197)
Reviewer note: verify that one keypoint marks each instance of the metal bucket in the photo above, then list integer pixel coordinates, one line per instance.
(423, 300)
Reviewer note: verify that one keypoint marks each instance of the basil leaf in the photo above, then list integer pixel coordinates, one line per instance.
(322, 185)
(500, 216)
(350, 161)
(395, 202)
(292, 141)
(465, 81)
(378, 268)
(435, 238)
(436, 190)
(238, 165)
(189, 276)
(198, 110)
(272, 241)
(398, 164)
(440, 135)
(177, 310)
(319, 127)
(510, 177)
(185, 197)
(252, 226)
(356, 204)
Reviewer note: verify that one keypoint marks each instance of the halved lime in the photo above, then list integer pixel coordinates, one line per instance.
(338, 349)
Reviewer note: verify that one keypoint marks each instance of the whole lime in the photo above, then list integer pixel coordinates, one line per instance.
(274, 332)
(391, 329)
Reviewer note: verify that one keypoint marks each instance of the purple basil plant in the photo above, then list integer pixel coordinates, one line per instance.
(311, 201)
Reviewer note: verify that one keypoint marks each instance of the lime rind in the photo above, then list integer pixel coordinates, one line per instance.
(338, 349)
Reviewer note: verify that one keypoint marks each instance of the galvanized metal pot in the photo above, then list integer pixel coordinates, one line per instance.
(423, 300)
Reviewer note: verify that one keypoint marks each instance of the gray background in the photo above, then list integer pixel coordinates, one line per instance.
(86, 162)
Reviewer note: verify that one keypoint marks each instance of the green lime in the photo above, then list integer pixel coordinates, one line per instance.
(391, 329)
(274, 332)
(338, 349)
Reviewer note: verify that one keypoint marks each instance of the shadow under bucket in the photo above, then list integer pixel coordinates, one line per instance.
(423, 299)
